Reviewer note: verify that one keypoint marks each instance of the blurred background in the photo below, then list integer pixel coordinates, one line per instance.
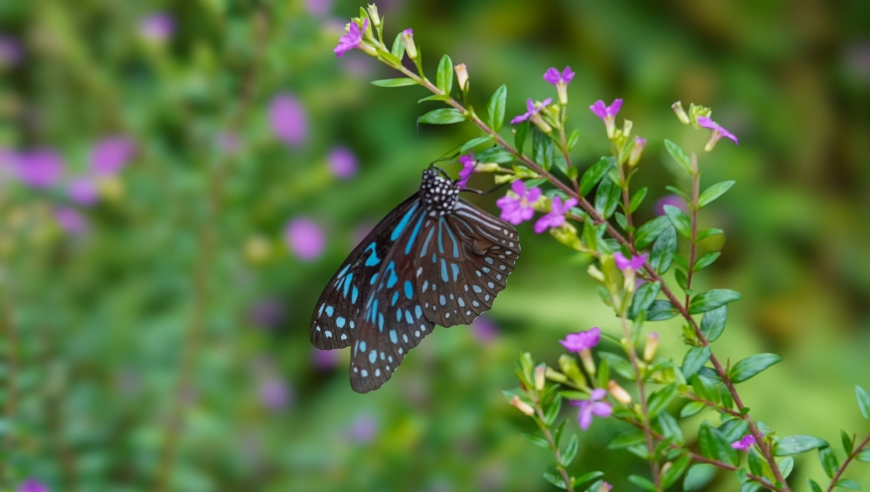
(179, 180)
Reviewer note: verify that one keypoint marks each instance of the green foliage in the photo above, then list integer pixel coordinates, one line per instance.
(444, 116)
(495, 109)
(798, 444)
(593, 175)
(751, 366)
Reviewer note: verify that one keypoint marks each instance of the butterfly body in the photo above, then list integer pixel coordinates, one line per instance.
(434, 259)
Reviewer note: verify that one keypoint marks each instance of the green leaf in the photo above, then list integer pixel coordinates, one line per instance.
(632, 438)
(670, 427)
(555, 480)
(864, 456)
(594, 174)
(543, 149)
(714, 445)
(786, 466)
(573, 137)
(663, 250)
(495, 154)
(537, 440)
(847, 441)
(557, 435)
(848, 483)
(648, 232)
(680, 220)
(637, 199)
(661, 310)
(495, 109)
(754, 460)
(706, 260)
(660, 398)
(698, 477)
(570, 450)
(713, 323)
(595, 487)
(642, 483)
(432, 98)
(710, 300)
(619, 364)
(398, 47)
(679, 155)
(474, 142)
(643, 298)
(676, 470)
(790, 445)
(814, 485)
(621, 220)
(733, 429)
(679, 193)
(863, 401)
(751, 366)
(682, 281)
(691, 408)
(714, 192)
(553, 411)
(399, 82)
(829, 461)
(707, 233)
(520, 136)
(444, 116)
(750, 486)
(695, 358)
(444, 76)
(607, 197)
(587, 477)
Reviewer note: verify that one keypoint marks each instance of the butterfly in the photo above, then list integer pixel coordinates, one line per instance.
(434, 259)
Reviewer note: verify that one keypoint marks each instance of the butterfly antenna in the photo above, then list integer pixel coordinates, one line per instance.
(483, 193)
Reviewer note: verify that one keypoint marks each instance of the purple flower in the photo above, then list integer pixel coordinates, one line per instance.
(267, 313)
(554, 77)
(342, 162)
(32, 485)
(83, 191)
(484, 329)
(363, 429)
(273, 392)
(592, 406)
(70, 220)
(745, 443)
(556, 217)
(111, 154)
(352, 39)
(584, 340)
(468, 164)
(672, 200)
(39, 168)
(325, 360)
(634, 264)
(718, 132)
(305, 238)
(607, 114)
(518, 209)
(532, 110)
(11, 52)
(318, 8)
(157, 27)
(288, 119)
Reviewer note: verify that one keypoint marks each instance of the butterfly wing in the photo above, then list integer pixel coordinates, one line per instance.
(463, 263)
(338, 311)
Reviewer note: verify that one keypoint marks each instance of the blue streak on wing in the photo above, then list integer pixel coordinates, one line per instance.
(414, 235)
(373, 259)
(404, 222)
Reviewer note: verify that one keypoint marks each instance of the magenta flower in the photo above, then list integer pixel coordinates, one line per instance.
(484, 329)
(532, 110)
(607, 114)
(40, 168)
(518, 209)
(468, 164)
(83, 191)
(584, 340)
(32, 485)
(745, 443)
(305, 238)
(288, 119)
(157, 27)
(267, 313)
(342, 162)
(363, 428)
(111, 154)
(554, 77)
(274, 393)
(11, 52)
(325, 360)
(672, 200)
(318, 8)
(70, 220)
(593, 406)
(556, 217)
(634, 264)
(718, 132)
(352, 39)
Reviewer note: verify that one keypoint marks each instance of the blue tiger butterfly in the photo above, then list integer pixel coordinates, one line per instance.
(434, 259)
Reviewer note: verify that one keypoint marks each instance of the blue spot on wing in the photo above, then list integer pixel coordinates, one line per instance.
(409, 289)
(373, 259)
(404, 222)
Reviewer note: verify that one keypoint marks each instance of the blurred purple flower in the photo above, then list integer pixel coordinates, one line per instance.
(288, 119)
(518, 209)
(11, 52)
(70, 220)
(532, 109)
(32, 485)
(267, 313)
(718, 131)
(745, 443)
(228, 142)
(318, 7)
(553, 76)
(83, 191)
(111, 154)
(305, 238)
(672, 200)
(484, 329)
(604, 111)
(274, 393)
(157, 27)
(556, 216)
(635, 263)
(468, 164)
(352, 39)
(325, 360)
(342, 162)
(39, 168)
(357, 66)
(592, 406)
(584, 340)
(363, 428)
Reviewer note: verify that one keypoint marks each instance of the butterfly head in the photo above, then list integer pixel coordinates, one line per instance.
(438, 193)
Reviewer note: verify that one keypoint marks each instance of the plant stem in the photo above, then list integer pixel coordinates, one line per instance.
(846, 463)
(696, 186)
(552, 442)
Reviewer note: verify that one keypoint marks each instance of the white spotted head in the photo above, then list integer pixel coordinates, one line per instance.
(437, 193)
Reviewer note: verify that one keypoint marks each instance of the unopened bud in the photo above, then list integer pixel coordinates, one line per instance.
(461, 76)
(588, 361)
(626, 128)
(636, 151)
(569, 368)
(681, 113)
(667, 466)
(618, 392)
(111, 188)
(488, 167)
(373, 15)
(410, 47)
(522, 406)
(595, 273)
(652, 344)
(605, 487)
(540, 376)
(554, 375)
(543, 125)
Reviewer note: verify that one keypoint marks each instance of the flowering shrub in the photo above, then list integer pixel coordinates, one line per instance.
(630, 262)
